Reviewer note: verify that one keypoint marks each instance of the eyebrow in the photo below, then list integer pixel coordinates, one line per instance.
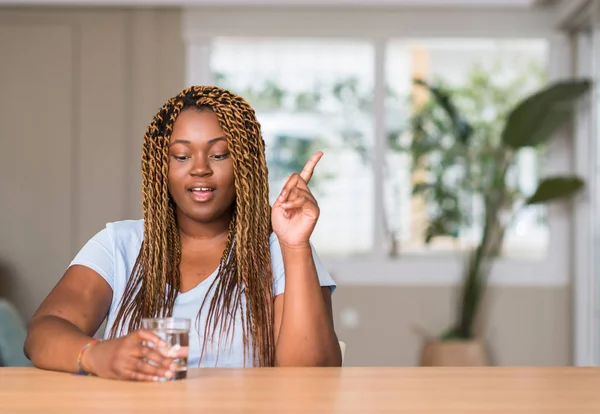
(210, 141)
(180, 141)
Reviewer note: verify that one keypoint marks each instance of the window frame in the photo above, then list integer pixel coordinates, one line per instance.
(581, 18)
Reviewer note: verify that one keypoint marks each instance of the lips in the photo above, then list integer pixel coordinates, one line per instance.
(201, 194)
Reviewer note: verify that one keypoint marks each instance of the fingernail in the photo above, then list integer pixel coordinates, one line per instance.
(285, 205)
(282, 196)
(173, 367)
(156, 379)
(168, 374)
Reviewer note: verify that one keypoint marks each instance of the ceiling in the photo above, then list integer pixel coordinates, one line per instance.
(519, 4)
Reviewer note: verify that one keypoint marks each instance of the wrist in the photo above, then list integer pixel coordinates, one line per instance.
(85, 359)
(295, 247)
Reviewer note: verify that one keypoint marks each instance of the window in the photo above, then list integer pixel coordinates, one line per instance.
(310, 95)
(340, 80)
(317, 94)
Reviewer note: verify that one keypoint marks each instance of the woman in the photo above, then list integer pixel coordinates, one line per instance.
(209, 248)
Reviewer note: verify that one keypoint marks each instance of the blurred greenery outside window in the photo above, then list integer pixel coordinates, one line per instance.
(317, 94)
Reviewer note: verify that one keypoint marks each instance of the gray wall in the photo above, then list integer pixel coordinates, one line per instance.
(523, 325)
(78, 88)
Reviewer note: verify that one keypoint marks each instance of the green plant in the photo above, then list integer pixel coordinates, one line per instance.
(465, 160)
(288, 155)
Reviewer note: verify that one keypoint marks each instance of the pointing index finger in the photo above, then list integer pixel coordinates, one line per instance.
(309, 168)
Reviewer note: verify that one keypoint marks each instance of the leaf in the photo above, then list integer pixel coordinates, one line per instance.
(393, 141)
(461, 128)
(535, 119)
(553, 188)
(419, 188)
(441, 226)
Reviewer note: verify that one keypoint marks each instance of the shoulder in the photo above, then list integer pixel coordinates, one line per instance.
(113, 250)
(116, 238)
(126, 238)
(131, 231)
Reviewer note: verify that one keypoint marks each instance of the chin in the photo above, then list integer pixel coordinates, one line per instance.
(206, 217)
(203, 218)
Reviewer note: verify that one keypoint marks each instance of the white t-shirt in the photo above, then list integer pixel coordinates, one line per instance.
(112, 254)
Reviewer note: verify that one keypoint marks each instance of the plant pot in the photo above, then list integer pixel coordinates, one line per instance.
(455, 353)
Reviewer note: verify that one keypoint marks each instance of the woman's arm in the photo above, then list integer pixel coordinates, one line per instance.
(67, 319)
(304, 332)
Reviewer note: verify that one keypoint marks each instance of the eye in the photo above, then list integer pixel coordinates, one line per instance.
(180, 158)
(220, 157)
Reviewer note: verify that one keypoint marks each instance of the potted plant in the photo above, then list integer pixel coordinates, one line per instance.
(463, 161)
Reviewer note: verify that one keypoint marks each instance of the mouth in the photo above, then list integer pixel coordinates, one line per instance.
(201, 194)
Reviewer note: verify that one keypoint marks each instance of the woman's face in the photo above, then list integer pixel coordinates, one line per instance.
(201, 179)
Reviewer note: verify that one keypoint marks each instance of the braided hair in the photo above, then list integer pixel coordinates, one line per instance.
(245, 265)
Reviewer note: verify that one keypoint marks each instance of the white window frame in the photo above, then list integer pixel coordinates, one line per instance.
(379, 26)
(582, 19)
(584, 283)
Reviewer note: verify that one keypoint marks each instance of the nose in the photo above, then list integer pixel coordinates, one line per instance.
(201, 167)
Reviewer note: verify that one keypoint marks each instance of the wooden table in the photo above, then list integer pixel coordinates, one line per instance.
(310, 390)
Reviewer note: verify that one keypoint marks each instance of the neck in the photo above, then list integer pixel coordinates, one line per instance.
(191, 230)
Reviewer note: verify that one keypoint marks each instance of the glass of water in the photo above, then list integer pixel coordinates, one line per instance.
(176, 333)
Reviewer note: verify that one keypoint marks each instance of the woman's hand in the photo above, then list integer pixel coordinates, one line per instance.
(129, 358)
(295, 212)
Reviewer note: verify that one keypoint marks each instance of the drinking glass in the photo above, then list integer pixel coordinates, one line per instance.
(176, 333)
